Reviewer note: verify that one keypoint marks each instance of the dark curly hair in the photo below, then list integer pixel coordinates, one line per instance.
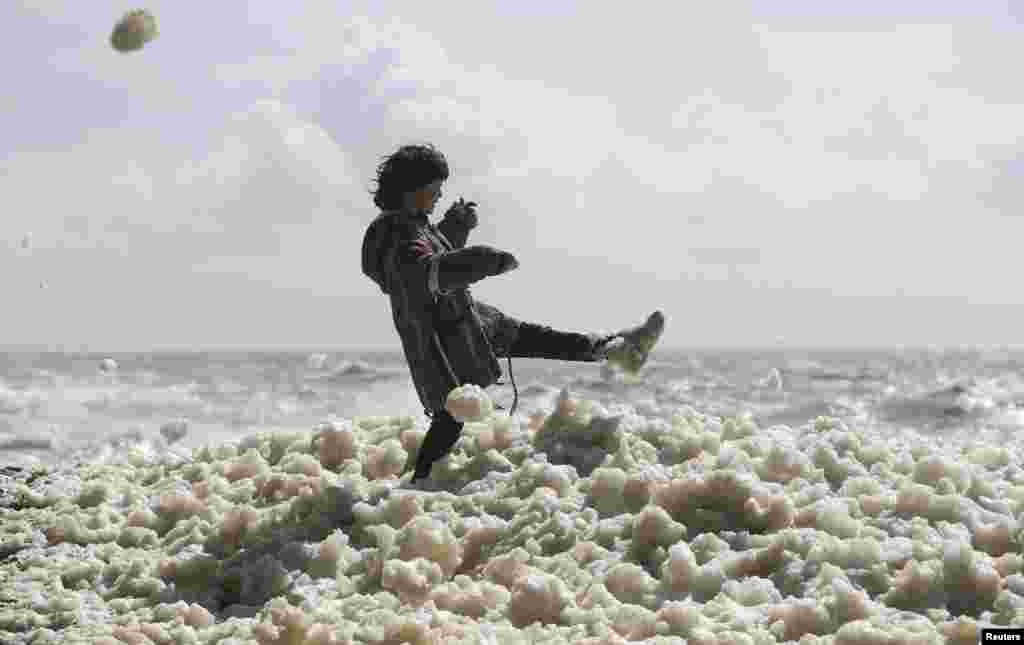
(409, 168)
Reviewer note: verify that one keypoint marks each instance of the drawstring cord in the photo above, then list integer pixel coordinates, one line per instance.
(515, 393)
(515, 390)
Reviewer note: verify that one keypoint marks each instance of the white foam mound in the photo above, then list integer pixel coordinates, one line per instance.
(469, 404)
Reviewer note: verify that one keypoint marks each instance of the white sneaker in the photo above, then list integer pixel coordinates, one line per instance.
(630, 349)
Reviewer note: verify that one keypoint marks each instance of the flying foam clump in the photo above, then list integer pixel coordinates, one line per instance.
(134, 31)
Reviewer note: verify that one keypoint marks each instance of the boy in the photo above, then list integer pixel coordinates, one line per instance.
(448, 337)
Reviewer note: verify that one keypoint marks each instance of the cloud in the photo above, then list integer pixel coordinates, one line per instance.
(310, 45)
(866, 110)
(267, 170)
(57, 10)
(668, 145)
(1005, 191)
(726, 256)
(774, 149)
(506, 139)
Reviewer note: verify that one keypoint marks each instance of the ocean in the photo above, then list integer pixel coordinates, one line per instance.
(82, 406)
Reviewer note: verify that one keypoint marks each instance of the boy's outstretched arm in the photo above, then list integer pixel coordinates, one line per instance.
(458, 221)
(443, 272)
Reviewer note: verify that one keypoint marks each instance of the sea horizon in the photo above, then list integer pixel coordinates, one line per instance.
(303, 349)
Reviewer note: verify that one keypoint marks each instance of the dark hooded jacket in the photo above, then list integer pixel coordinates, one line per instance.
(449, 339)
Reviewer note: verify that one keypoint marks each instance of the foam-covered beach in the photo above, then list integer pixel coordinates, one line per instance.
(580, 521)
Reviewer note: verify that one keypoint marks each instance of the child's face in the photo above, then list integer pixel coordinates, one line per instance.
(425, 198)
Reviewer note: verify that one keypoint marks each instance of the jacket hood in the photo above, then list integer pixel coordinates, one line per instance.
(374, 248)
(378, 236)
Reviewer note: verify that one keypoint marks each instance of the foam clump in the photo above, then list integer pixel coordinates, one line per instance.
(336, 443)
(291, 626)
(134, 31)
(469, 403)
(578, 524)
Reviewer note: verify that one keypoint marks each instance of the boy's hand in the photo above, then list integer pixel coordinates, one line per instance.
(506, 262)
(421, 249)
(463, 212)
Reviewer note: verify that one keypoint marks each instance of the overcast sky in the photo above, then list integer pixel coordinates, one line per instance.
(767, 172)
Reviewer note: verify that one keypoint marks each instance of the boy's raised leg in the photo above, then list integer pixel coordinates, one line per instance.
(628, 348)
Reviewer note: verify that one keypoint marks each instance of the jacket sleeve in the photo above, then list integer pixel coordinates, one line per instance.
(444, 272)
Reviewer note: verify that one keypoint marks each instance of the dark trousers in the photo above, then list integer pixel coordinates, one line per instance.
(532, 341)
(540, 341)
